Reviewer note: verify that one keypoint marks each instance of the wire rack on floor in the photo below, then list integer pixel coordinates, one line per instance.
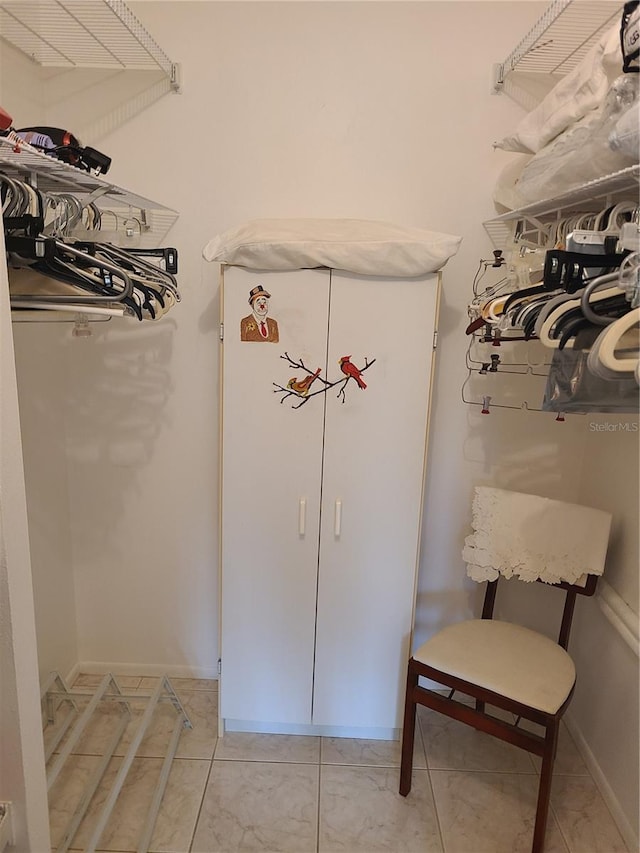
(66, 721)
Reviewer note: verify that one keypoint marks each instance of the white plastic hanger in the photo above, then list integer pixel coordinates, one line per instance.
(551, 319)
(610, 340)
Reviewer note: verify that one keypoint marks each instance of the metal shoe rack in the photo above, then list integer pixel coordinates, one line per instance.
(65, 723)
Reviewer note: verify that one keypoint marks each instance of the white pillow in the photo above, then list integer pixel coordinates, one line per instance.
(581, 91)
(354, 245)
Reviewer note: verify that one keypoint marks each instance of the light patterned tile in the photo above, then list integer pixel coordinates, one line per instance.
(250, 746)
(97, 733)
(374, 753)
(583, 817)
(178, 813)
(197, 742)
(67, 791)
(361, 811)
(259, 806)
(180, 807)
(451, 745)
(568, 760)
(490, 812)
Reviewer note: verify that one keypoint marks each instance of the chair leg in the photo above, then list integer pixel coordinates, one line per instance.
(408, 731)
(544, 790)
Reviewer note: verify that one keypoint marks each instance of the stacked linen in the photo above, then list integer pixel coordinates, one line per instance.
(586, 127)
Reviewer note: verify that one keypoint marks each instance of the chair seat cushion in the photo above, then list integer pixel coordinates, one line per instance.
(508, 659)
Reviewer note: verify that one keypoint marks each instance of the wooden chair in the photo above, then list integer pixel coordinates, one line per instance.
(504, 665)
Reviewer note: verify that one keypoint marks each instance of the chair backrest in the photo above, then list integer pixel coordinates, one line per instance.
(571, 591)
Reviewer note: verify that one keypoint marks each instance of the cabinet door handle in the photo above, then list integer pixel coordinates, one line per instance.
(337, 519)
(302, 516)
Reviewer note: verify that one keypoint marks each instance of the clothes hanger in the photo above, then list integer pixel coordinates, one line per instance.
(629, 278)
(159, 286)
(591, 287)
(532, 306)
(572, 322)
(610, 340)
(551, 305)
(73, 266)
(545, 332)
(106, 272)
(96, 272)
(566, 271)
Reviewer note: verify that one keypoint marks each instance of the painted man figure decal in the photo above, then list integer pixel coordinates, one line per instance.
(257, 326)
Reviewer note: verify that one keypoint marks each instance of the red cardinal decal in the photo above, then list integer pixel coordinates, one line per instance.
(351, 370)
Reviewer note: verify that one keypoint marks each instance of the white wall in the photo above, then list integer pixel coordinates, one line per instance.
(327, 109)
(42, 388)
(605, 638)
(41, 372)
(610, 481)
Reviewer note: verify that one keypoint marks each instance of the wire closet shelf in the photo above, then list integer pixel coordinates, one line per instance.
(559, 40)
(50, 175)
(83, 33)
(538, 217)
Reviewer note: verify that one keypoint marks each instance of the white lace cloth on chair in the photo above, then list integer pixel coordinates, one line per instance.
(534, 538)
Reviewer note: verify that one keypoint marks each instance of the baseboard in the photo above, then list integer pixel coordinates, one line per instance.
(145, 670)
(304, 729)
(620, 615)
(626, 830)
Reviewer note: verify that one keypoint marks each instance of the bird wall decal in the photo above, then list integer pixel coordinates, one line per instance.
(300, 391)
(351, 370)
(302, 386)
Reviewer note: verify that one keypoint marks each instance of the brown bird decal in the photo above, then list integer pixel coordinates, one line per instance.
(302, 386)
(351, 370)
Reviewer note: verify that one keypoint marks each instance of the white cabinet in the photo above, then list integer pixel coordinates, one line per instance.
(321, 497)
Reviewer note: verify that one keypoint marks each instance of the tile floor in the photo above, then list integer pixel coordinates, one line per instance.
(251, 792)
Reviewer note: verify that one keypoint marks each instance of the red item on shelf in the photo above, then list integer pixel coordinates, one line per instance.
(5, 120)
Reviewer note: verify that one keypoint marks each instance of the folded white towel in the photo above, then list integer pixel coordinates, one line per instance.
(534, 538)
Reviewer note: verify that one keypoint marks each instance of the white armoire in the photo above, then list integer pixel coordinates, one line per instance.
(322, 483)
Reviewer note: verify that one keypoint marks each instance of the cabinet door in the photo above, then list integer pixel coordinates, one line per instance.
(372, 497)
(271, 470)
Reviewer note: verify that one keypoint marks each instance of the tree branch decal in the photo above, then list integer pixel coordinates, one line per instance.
(299, 387)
